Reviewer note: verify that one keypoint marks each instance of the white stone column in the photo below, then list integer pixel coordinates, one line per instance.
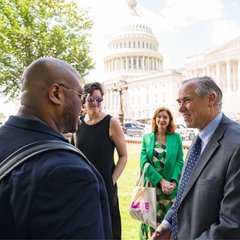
(109, 96)
(195, 73)
(106, 65)
(137, 62)
(191, 74)
(121, 63)
(211, 72)
(234, 77)
(238, 76)
(208, 71)
(118, 64)
(204, 72)
(228, 70)
(214, 72)
(217, 73)
(113, 64)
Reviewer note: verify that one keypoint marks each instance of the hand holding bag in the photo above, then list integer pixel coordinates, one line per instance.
(143, 204)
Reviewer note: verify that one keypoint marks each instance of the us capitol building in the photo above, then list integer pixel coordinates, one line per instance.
(136, 83)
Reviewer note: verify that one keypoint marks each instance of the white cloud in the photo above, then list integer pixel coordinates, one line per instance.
(178, 14)
(222, 31)
(106, 15)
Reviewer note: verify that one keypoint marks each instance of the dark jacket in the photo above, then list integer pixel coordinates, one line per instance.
(53, 195)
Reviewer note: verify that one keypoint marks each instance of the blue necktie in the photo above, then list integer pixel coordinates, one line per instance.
(192, 159)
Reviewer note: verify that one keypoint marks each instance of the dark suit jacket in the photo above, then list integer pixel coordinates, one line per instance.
(210, 206)
(54, 195)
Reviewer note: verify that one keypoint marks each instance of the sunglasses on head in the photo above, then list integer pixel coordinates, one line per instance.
(92, 99)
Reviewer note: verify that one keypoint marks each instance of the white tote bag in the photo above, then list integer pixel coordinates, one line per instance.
(143, 204)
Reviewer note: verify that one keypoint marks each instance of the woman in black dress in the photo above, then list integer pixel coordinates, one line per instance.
(97, 137)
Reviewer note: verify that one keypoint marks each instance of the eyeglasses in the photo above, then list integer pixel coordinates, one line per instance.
(81, 95)
(92, 99)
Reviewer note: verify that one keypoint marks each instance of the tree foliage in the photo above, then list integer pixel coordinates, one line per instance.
(30, 29)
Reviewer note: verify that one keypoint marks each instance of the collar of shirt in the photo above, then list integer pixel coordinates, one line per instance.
(208, 131)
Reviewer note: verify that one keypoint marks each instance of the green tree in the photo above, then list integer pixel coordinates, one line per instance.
(30, 29)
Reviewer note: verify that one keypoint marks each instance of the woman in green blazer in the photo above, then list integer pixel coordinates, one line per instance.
(162, 148)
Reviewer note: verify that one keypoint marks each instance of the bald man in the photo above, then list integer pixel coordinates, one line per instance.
(56, 194)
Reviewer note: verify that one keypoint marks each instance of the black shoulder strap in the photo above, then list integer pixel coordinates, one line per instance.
(32, 149)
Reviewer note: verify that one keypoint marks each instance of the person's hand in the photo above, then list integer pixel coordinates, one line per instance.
(162, 233)
(167, 187)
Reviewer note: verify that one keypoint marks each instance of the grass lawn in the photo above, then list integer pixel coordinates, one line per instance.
(126, 184)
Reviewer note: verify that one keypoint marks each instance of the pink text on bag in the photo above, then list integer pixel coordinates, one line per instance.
(143, 206)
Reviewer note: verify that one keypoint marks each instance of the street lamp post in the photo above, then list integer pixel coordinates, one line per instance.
(120, 87)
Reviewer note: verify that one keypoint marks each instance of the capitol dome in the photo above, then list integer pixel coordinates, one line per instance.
(133, 49)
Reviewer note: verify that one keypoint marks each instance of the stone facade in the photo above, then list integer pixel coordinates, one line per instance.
(223, 65)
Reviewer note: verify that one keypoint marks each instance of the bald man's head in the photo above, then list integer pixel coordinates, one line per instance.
(45, 71)
(52, 92)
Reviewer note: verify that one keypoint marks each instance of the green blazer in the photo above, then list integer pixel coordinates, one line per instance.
(173, 161)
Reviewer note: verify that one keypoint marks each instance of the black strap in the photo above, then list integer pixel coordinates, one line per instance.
(33, 149)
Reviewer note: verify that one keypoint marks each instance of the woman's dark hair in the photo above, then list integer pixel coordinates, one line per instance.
(171, 126)
(90, 87)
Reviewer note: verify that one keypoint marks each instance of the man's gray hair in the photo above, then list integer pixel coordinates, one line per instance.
(205, 86)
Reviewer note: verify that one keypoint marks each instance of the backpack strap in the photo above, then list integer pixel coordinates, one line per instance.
(30, 150)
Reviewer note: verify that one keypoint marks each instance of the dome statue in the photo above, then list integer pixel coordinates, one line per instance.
(133, 49)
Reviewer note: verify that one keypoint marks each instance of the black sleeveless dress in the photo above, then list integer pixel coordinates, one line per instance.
(94, 141)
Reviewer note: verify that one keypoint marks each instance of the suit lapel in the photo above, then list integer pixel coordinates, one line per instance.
(205, 157)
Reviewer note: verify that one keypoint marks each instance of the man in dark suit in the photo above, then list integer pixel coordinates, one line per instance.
(57, 194)
(209, 207)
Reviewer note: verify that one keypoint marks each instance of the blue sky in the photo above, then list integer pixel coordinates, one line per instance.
(183, 27)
